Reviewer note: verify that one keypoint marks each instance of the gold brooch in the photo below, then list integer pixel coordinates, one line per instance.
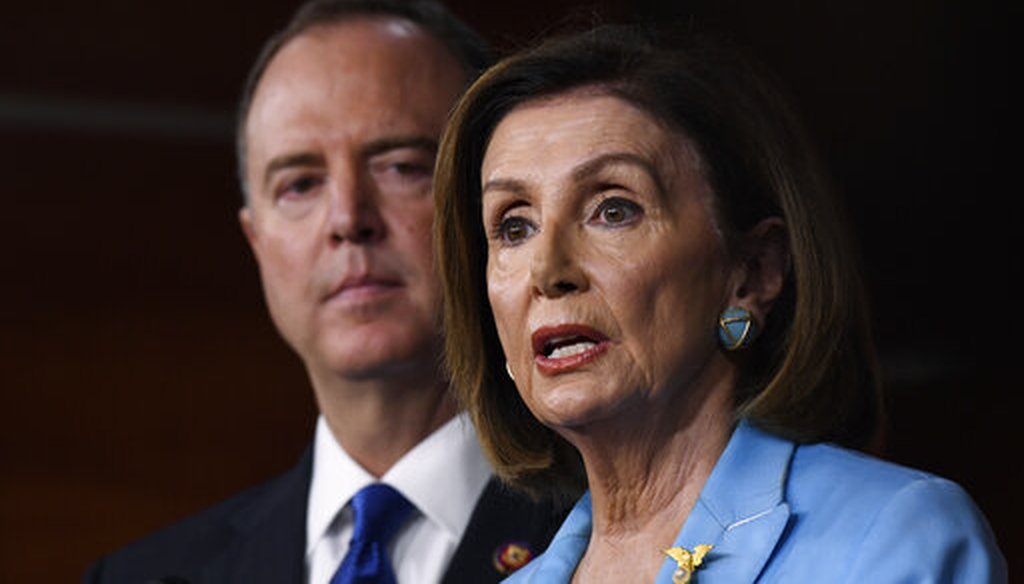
(686, 561)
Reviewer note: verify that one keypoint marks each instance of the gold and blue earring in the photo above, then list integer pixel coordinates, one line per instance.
(736, 328)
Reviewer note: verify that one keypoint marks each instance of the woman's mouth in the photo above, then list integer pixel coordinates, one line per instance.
(564, 348)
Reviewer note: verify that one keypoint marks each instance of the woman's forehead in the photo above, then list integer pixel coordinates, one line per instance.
(581, 124)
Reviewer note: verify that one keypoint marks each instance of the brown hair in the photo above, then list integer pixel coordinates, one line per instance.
(810, 375)
(469, 48)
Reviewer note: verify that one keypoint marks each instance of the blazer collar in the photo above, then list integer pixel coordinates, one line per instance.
(559, 561)
(741, 510)
(269, 542)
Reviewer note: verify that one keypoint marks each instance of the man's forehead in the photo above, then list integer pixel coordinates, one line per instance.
(378, 59)
(384, 24)
(375, 95)
(348, 84)
(379, 47)
(379, 30)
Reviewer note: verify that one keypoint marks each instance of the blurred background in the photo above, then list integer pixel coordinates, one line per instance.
(141, 380)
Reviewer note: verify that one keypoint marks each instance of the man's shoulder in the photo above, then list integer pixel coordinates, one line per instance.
(198, 544)
(507, 529)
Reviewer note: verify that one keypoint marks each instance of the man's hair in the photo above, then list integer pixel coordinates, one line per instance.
(466, 45)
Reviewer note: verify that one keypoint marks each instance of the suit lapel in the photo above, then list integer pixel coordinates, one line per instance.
(270, 535)
(741, 510)
(501, 517)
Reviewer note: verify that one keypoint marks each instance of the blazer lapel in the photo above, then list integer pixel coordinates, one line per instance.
(741, 510)
(270, 535)
(742, 550)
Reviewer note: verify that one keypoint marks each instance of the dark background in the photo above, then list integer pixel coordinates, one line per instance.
(141, 379)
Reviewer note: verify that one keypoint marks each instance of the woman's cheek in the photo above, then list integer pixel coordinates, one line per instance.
(503, 291)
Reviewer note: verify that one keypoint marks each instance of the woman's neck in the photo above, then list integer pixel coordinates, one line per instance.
(645, 475)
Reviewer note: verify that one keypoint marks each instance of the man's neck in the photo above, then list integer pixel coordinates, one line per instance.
(378, 420)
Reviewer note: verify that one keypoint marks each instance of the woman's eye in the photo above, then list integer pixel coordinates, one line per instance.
(513, 230)
(617, 211)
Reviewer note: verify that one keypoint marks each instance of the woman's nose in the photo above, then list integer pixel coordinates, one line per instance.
(555, 269)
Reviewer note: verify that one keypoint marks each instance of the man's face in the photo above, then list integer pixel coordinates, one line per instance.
(341, 138)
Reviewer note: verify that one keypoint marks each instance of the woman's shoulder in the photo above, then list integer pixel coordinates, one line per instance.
(827, 469)
(846, 482)
(875, 511)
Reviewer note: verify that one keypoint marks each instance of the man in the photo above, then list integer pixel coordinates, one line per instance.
(338, 130)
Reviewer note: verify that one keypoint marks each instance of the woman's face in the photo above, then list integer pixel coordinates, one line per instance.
(605, 271)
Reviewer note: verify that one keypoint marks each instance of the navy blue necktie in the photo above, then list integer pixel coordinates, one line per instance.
(379, 511)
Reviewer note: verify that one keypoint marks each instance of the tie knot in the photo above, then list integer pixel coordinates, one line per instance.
(379, 511)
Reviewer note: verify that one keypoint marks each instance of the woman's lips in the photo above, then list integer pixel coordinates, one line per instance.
(566, 347)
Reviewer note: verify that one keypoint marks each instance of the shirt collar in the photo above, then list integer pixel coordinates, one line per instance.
(443, 476)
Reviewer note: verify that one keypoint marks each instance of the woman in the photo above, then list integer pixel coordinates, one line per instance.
(677, 305)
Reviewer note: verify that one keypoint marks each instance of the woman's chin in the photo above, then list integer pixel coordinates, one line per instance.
(576, 415)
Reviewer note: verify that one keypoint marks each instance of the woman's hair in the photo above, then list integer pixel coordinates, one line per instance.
(810, 375)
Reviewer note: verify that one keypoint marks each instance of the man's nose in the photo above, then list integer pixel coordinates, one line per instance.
(354, 214)
(555, 269)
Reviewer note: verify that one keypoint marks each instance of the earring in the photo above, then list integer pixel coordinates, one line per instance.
(736, 328)
(508, 370)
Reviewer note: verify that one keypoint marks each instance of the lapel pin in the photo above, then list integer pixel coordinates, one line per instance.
(686, 561)
(511, 556)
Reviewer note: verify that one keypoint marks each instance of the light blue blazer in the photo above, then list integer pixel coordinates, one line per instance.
(778, 512)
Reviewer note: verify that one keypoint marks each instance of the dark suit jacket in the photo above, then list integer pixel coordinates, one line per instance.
(259, 537)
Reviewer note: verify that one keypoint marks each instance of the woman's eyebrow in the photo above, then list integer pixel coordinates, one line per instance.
(594, 165)
(585, 171)
(504, 184)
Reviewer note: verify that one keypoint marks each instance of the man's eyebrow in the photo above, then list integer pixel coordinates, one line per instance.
(368, 150)
(382, 145)
(291, 160)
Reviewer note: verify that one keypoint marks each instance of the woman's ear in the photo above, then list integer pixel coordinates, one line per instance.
(764, 263)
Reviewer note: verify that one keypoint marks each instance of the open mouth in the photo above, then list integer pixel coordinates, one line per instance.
(560, 348)
(565, 347)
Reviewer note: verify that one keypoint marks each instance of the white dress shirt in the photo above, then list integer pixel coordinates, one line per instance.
(443, 476)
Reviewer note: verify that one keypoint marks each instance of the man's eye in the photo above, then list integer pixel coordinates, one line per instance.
(413, 170)
(513, 230)
(300, 186)
(617, 211)
(402, 171)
